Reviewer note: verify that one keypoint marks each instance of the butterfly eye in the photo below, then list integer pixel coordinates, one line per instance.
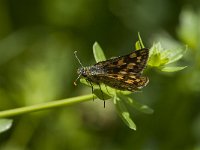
(83, 72)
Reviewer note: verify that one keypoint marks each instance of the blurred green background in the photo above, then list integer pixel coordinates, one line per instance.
(37, 41)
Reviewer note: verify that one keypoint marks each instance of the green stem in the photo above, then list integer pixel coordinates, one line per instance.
(47, 105)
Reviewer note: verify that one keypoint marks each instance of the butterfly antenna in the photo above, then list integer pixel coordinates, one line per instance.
(81, 66)
(77, 58)
(77, 79)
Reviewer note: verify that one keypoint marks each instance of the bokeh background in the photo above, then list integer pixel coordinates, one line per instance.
(37, 41)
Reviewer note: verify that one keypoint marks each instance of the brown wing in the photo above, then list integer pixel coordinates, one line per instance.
(132, 63)
(124, 82)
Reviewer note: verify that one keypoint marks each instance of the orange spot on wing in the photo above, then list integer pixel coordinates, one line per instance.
(131, 65)
(138, 60)
(121, 62)
(133, 77)
(137, 80)
(123, 72)
(119, 77)
(129, 81)
(133, 55)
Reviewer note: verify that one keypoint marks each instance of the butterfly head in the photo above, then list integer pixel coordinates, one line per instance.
(82, 71)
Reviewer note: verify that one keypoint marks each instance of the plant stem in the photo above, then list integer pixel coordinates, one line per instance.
(46, 105)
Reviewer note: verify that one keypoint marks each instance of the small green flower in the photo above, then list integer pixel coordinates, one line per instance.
(162, 58)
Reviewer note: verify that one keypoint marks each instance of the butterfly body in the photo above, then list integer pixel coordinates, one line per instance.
(122, 73)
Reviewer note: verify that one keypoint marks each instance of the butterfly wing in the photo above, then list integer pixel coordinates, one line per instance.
(124, 82)
(122, 73)
(132, 63)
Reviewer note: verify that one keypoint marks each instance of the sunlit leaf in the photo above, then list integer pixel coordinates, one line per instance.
(139, 44)
(124, 92)
(172, 69)
(173, 54)
(156, 58)
(82, 80)
(136, 105)
(98, 53)
(175, 58)
(140, 40)
(123, 113)
(160, 57)
(101, 95)
(5, 124)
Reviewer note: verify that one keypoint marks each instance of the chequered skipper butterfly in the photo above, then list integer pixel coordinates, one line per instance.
(122, 73)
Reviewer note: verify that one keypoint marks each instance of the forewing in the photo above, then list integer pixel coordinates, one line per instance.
(125, 82)
(132, 63)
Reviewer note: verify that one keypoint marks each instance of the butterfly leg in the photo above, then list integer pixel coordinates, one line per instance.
(104, 103)
(92, 89)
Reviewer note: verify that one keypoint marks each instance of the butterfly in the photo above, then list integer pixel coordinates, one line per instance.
(122, 73)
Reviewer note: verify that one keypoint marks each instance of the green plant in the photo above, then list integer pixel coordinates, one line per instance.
(159, 58)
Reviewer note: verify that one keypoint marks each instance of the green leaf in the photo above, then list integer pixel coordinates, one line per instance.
(140, 40)
(136, 105)
(5, 124)
(156, 61)
(108, 92)
(173, 54)
(175, 58)
(98, 53)
(155, 56)
(106, 89)
(82, 80)
(123, 113)
(172, 69)
(160, 57)
(124, 92)
(101, 95)
(139, 44)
